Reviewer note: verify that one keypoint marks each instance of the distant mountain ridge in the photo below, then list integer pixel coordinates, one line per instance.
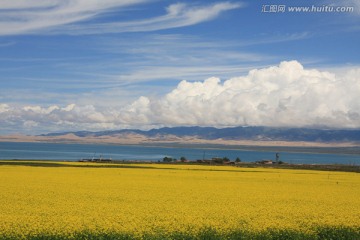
(234, 133)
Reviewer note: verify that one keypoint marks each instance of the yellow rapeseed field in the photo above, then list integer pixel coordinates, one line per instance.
(155, 198)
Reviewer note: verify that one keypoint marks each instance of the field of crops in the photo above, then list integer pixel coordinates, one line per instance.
(152, 201)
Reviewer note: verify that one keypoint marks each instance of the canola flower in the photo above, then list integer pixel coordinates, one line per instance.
(155, 199)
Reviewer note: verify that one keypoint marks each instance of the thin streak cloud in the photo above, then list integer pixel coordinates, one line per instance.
(177, 15)
(23, 17)
(71, 17)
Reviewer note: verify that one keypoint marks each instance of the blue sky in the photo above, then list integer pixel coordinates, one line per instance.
(111, 64)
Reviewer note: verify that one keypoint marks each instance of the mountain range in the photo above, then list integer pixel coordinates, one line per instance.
(231, 133)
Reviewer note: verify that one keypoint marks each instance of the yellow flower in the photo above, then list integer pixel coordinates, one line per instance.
(166, 199)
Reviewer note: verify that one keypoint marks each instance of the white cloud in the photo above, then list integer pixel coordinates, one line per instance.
(284, 95)
(23, 4)
(30, 124)
(177, 15)
(287, 95)
(4, 108)
(21, 17)
(40, 119)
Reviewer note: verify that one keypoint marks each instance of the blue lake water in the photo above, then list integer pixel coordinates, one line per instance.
(74, 152)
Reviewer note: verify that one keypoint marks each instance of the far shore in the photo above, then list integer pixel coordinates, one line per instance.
(191, 142)
(139, 139)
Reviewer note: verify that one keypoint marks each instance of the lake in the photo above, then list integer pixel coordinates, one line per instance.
(75, 152)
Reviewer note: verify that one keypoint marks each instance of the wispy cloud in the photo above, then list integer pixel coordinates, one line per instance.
(154, 62)
(177, 15)
(350, 3)
(276, 38)
(22, 17)
(151, 63)
(7, 44)
(348, 22)
(72, 17)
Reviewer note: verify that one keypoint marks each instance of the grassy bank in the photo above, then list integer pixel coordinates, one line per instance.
(129, 164)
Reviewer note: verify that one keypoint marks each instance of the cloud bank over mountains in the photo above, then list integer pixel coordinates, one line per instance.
(287, 95)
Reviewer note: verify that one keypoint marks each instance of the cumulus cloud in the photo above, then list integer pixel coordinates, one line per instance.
(72, 16)
(40, 119)
(287, 95)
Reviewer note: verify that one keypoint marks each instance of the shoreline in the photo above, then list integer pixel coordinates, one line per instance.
(138, 164)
